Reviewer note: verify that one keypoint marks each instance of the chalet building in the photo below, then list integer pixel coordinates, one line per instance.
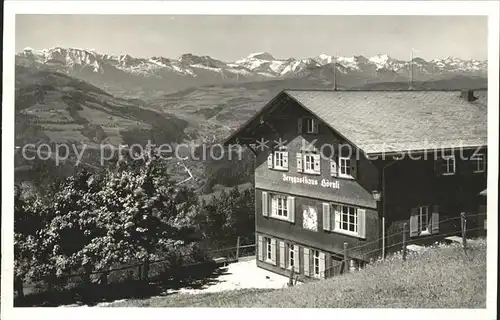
(335, 167)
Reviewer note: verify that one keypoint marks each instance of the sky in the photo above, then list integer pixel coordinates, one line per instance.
(230, 38)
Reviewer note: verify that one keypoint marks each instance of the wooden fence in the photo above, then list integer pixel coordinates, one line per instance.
(344, 266)
(136, 271)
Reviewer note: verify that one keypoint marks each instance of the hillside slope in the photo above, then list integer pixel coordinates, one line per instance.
(441, 277)
(53, 107)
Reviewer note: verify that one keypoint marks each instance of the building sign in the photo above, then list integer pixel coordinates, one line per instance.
(325, 183)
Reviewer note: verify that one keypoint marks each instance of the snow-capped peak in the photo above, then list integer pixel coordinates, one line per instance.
(379, 59)
(254, 66)
(324, 59)
(262, 56)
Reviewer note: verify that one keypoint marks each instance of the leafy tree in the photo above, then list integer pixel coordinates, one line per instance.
(94, 220)
(227, 216)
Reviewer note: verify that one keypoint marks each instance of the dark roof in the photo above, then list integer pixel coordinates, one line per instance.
(391, 121)
(395, 121)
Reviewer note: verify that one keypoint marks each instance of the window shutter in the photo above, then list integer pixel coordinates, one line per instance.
(296, 259)
(326, 216)
(333, 167)
(299, 162)
(291, 209)
(273, 251)
(336, 220)
(361, 222)
(316, 126)
(435, 219)
(285, 160)
(322, 265)
(414, 222)
(270, 160)
(306, 262)
(260, 248)
(354, 167)
(317, 163)
(274, 206)
(299, 126)
(438, 166)
(282, 255)
(265, 204)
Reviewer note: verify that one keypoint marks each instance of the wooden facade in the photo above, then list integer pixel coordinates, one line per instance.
(307, 208)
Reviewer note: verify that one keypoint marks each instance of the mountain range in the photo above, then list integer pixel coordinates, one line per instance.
(82, 96)
(129, 76)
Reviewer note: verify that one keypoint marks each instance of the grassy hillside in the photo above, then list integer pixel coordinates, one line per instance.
(53, 107)
(440, 277)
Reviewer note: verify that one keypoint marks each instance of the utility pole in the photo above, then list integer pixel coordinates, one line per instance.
(334, 73)
(411, 70)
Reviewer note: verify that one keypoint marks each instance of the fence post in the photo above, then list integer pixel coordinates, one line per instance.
(383, 238)
(104, 278)
(18, 283)
(237, 248)
(404, 242)
(464, 229)
(346, 263)
(145, 271)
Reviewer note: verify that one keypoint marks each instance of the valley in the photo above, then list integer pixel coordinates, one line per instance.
(66, 95)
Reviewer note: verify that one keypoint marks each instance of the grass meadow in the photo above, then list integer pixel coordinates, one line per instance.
(442, 276)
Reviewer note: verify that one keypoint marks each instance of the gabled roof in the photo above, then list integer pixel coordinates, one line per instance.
(397, 121)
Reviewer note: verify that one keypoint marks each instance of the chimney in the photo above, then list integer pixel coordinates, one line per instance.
(468, 95)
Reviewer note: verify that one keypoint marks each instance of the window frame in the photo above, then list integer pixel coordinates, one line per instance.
(269, 257)
(316, 259)
(307, 155)
(446, 164)
(479, 159)
(312, 170)
(340, 229)
(283, 199)
(281, 153)
(348, 166)
(355, 224)
(307, 121)
(291, 256)
(422, 231)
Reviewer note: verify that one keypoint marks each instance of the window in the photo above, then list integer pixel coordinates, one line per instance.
(348, 219)
(279, 206)
(312, 163)
(291, 256)
(310, 125)
(423, 218)
(309, 163)
(268, 249)
(479, 162)
(345, 167)
(281, 160)
(344, 219)
(448, 165)
(316, 272)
